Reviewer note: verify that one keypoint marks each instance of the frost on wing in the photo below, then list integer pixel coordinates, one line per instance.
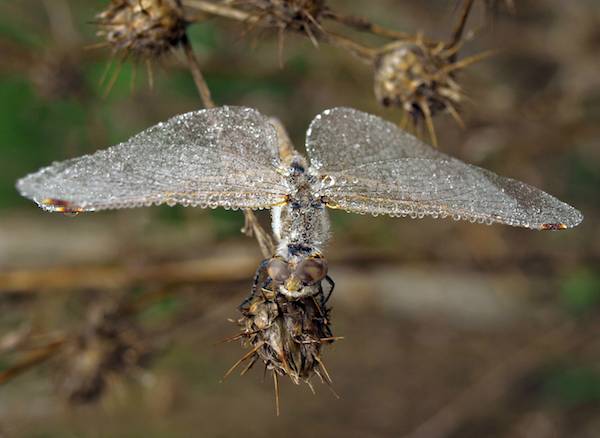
(369, 165)
(221, 157)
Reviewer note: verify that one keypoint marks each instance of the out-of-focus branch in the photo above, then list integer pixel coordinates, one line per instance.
(211, 270)
(33, 359)
(364, 25)
(497, 381)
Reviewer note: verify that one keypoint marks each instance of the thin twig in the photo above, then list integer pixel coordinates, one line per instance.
(460, 26)
(276, 384)
(364, 25)
(32, 360)
(199, 80)
(363, 53)
(221, 10)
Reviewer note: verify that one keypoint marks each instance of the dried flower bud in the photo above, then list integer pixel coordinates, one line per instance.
(416, 78)
(297, 15)
(286, 335)
(109, 345)
(143, 28)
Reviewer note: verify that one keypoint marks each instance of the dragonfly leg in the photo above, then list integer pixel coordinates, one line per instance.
(329, 280)
(259, 271)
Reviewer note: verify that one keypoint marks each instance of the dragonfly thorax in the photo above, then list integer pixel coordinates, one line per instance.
(301, 225)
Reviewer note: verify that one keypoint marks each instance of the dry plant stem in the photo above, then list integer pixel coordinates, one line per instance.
(199, 271)
(251, 227)
(32, 360)
(276, 387)
(497, 381)
(364, 53)
(220, 10)
(460, 26)
(199, 80)
(364, 25)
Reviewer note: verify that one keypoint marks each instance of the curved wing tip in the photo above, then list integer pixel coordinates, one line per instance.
(559, 226)
(54, 205)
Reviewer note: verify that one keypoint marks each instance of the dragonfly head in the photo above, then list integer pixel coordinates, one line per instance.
(297, 277)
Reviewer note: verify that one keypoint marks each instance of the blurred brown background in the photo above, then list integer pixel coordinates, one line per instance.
(451, 329)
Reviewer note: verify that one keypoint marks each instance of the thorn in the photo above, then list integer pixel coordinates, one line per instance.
(465, 62)
(242, 359)
(331, 338)
(429, 122)
(113, 80)
(133, 78)
(150, 74)
(322, 366)
(455, 115)
(280, 38)
(250, 364)
(105, 72)
(232, 338)
(276, 383)
(96, 46)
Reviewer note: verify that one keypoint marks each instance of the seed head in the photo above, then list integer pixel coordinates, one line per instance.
(296, 15)
(286, 335)
(143, 28)
(417, 78)
(109, 345)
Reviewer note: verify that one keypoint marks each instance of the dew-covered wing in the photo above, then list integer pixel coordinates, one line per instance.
(368, 165)
(221, 157)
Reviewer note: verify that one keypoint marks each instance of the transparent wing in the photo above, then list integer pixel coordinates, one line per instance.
(225, 156)
(368, 165)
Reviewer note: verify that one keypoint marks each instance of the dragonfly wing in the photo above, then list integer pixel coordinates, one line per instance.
(342, 138)
(221, 157)
(394, 173)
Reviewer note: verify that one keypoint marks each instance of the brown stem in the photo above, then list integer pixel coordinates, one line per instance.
(363, 25)
(199, 80)
(460, 26)
(32, 360)
(364, 53)
(220, 10)
(215, 269)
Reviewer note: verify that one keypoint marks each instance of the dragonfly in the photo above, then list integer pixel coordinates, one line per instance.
(234, 158)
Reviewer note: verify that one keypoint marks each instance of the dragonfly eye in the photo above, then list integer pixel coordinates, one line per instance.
(278, 270)
(312, 270)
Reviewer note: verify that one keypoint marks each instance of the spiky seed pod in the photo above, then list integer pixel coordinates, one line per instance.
(286, 335)
(296, 15)
(417, 78)
(109, 345)
(142, 28)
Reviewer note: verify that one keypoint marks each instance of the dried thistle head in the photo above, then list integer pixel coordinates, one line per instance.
(142, 28)
(296, 15)
(419, 78)
(110, 344)
(286, 335)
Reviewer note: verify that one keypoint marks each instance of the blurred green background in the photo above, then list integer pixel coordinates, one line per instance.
(451, 329)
